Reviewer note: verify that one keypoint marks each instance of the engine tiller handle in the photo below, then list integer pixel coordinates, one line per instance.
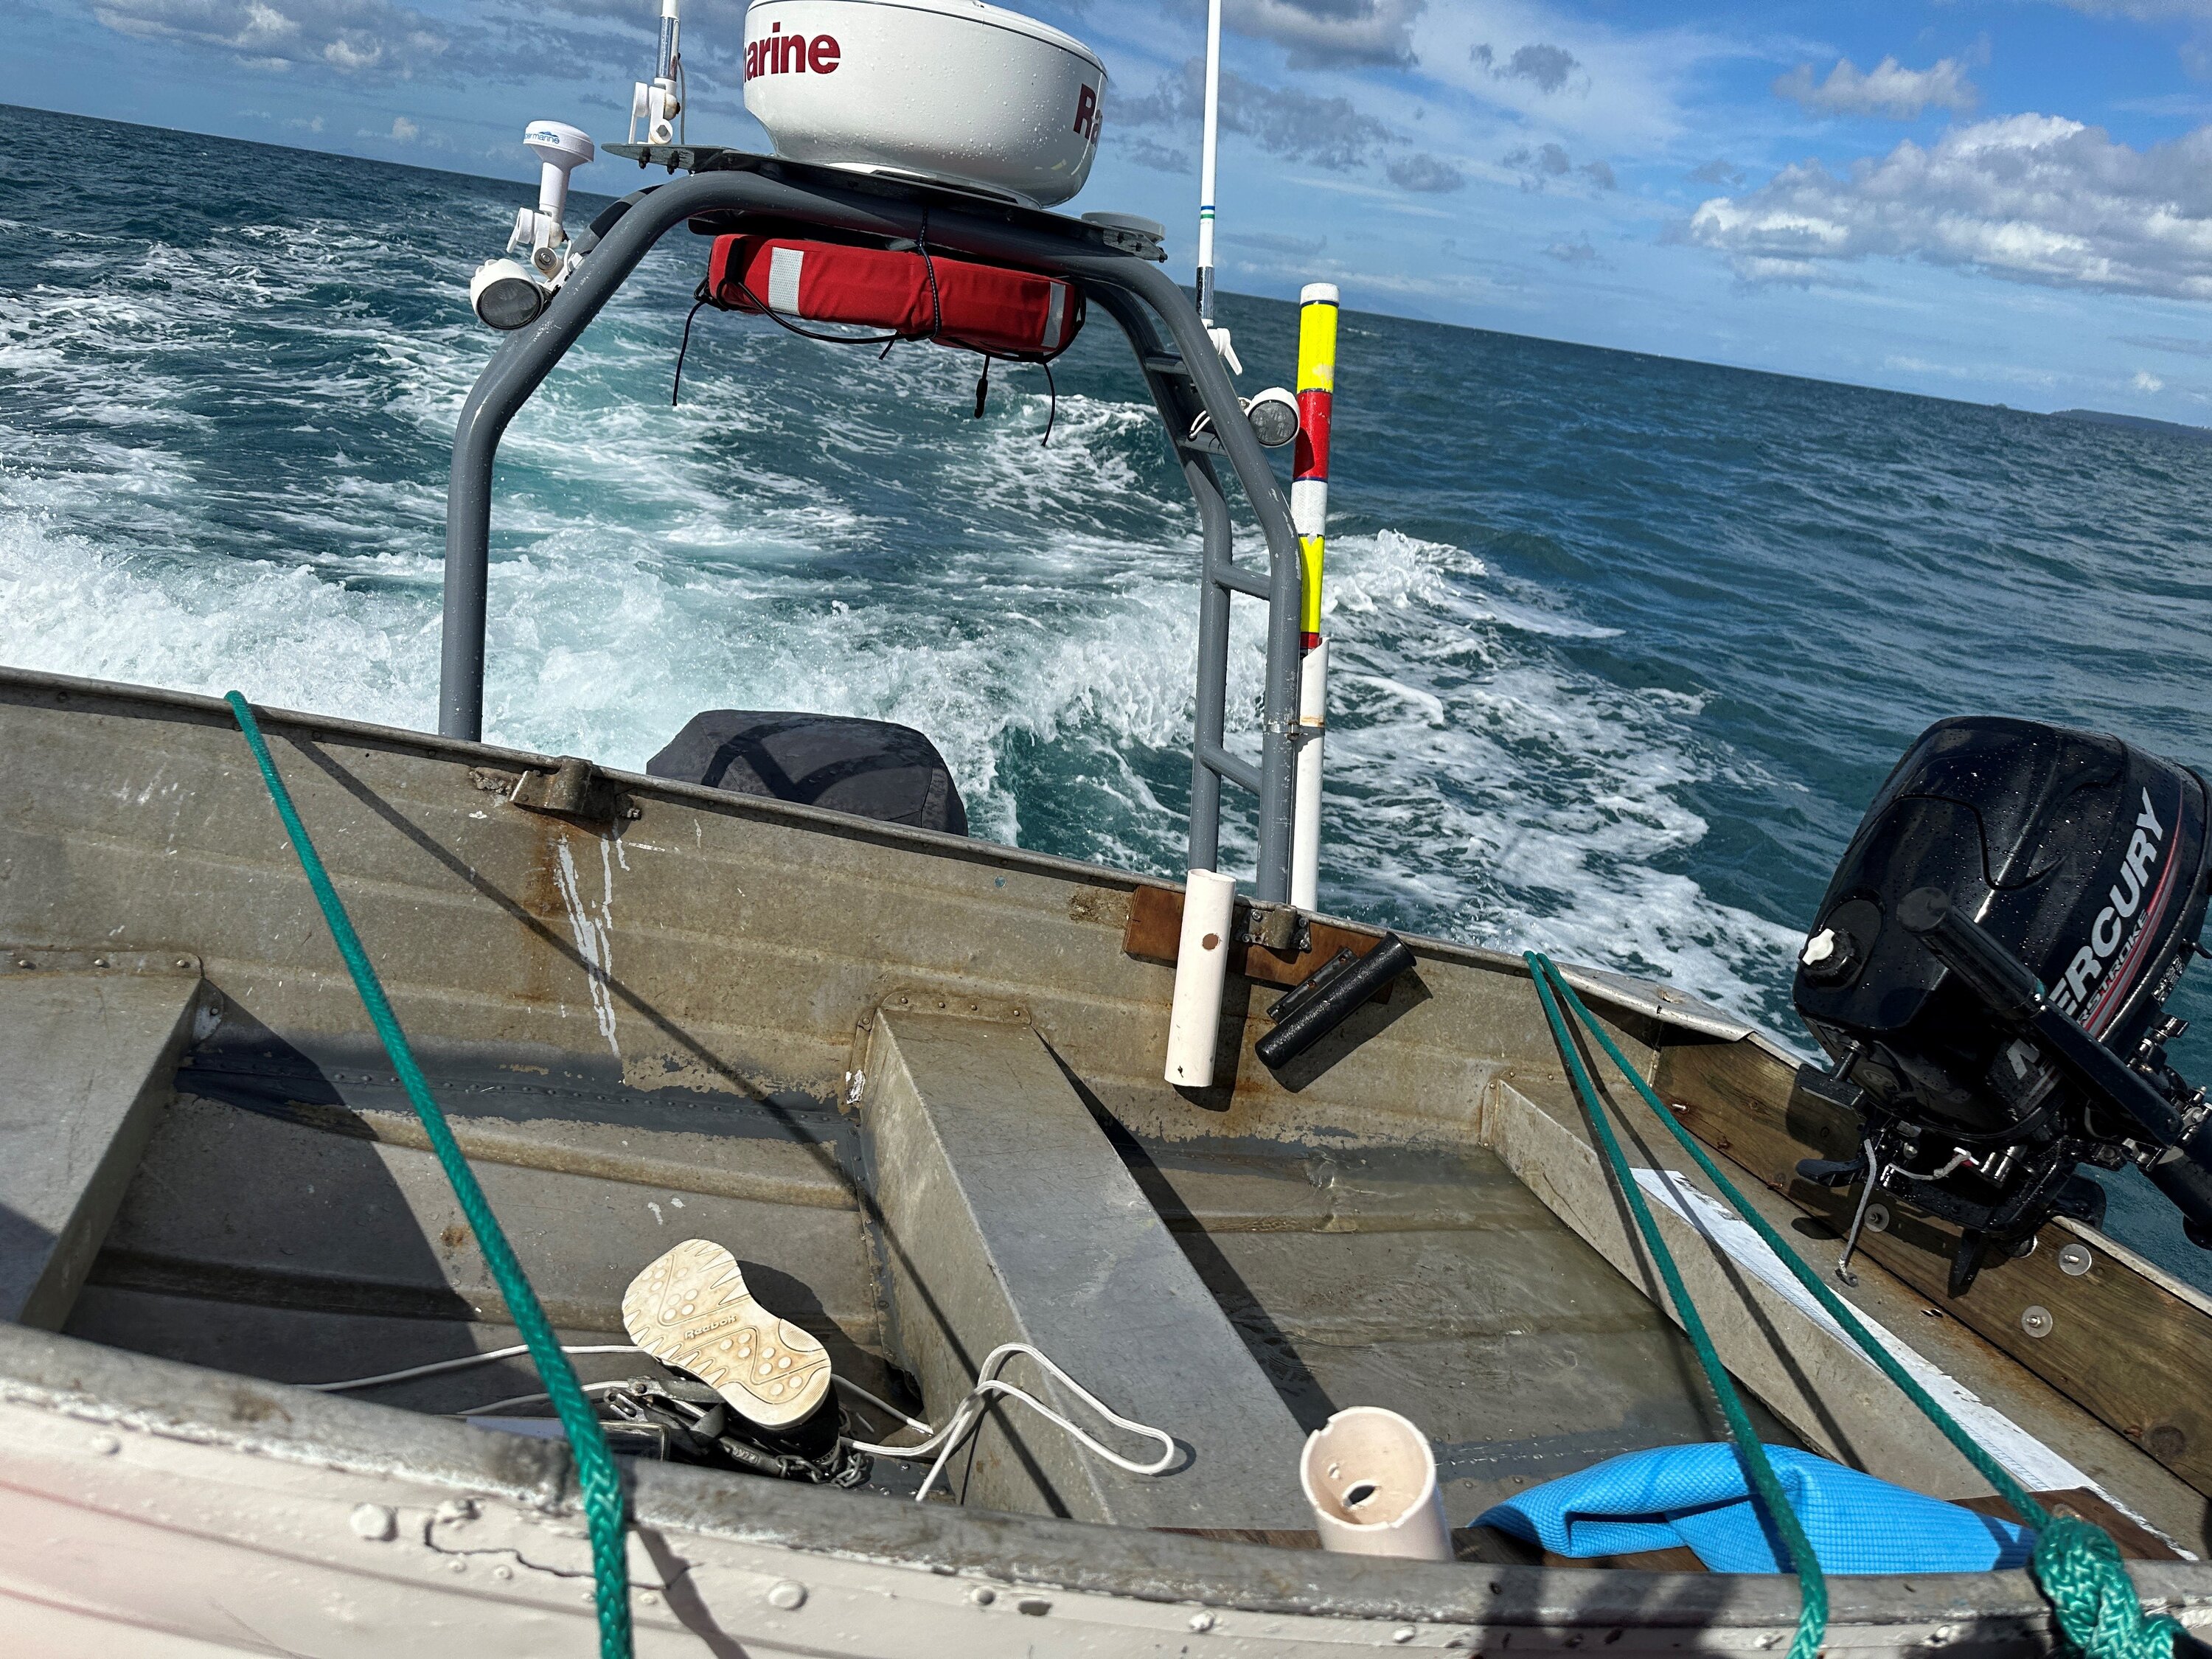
(2012, 994)
(1999, 978)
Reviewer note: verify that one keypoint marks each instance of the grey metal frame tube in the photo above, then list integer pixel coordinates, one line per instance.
(1220, 574)
(1125, 284)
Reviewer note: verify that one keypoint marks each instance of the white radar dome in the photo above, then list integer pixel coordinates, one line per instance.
(954, 90)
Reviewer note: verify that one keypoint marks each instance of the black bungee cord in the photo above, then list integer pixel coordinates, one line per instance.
(698, 299)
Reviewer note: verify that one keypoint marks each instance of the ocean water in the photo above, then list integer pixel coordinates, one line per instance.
(1622, 644)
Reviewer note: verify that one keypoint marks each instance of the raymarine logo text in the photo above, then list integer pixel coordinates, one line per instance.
(778, 53)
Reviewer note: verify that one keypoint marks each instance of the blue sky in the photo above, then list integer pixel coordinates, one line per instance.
(2003, 200)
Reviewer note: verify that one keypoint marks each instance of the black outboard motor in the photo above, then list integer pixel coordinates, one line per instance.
(1990, 970)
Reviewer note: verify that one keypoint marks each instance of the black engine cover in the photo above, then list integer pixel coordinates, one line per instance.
(2083, 855)
(873, 768)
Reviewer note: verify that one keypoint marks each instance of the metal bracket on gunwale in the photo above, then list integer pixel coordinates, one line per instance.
(573, 788)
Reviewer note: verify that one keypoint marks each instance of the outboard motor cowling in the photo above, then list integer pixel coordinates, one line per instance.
(1991, 968)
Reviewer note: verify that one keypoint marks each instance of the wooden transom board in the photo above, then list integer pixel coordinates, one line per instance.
(1155, 929)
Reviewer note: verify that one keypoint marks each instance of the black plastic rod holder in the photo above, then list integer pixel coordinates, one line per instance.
(1312, 985)
(1326, 998)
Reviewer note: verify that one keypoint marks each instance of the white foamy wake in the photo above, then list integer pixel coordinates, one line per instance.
(1486, 784)
(740, 552)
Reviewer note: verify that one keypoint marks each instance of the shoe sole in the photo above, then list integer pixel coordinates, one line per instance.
(690, 1309)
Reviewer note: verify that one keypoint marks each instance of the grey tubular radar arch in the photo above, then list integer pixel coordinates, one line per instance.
(1131, 289)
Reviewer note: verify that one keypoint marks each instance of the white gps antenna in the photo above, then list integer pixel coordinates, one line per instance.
(658, 101)
(561, 148)
(505, 293)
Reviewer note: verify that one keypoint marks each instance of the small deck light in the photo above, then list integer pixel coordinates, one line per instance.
(504, 295)
(1274, 417)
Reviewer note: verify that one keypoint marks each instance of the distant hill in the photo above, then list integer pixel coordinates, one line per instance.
(2136, 422)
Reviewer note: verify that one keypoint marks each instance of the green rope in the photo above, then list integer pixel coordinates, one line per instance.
(1813, 1584)
(2078, 1567)
(596, 1474)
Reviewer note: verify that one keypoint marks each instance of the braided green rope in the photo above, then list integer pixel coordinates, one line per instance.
(604, 1503)
(1813, 1584)
(2078, 1567)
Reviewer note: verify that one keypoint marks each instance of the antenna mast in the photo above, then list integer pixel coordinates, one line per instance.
(660, 102)
(1207, 151)
(1206, 159)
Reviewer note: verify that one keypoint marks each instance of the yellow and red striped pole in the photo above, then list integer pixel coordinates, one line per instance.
(1317, 308)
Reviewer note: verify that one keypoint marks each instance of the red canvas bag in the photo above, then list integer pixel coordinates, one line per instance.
(987, 308)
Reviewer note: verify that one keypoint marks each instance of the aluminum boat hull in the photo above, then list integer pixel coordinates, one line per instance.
(694, 1014)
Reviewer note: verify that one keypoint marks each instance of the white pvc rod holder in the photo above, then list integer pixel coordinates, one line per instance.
(1371, 1482)
(1209, 902)
(1305, 814)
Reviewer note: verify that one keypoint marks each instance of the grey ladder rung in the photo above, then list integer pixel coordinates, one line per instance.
(1238, 580)
(87, 1059)
(1167, 363)
(1242, 773)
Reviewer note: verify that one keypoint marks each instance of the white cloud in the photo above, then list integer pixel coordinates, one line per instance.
(1424, 172)
(352, 37)
(1632, 90)
(404, 130)
(2196, 49)
(1546, 65)
(2185, 346)
(1766, 270)
(2146, 381)
(1299, 126)
(621, 33)
(1324, 33)
(2012, 373)
(1542, 165)
(2143, 11)
(2032, 198)
(474, 42)
(1887, 89)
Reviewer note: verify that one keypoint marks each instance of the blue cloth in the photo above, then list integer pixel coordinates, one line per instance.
(1699, 1496)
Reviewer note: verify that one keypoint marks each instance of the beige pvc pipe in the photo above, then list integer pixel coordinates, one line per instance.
(1305, 815)
(1201, 966)
(1371, 1481)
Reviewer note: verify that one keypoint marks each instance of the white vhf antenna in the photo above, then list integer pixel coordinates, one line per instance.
(1206, 159)
(659, 101)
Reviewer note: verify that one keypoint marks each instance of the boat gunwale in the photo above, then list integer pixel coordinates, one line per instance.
(236, 1412)
(168, 1399)
(1672, 1011)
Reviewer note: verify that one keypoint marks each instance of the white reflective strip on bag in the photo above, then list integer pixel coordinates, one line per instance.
(1052, 318)
(783, 268)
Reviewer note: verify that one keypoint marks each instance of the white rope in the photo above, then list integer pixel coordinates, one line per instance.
(966, 1417)
(466, 1360)
(969, 1414)
(883, 1405)
(533, 1399)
